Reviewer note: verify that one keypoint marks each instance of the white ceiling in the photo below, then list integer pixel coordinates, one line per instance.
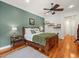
(36, 6)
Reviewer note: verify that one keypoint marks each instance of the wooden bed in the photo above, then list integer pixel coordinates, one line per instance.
(50, 43)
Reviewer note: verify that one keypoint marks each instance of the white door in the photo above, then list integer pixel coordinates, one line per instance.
(70, 26)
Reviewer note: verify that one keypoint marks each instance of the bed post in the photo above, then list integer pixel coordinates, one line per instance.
(23, 31)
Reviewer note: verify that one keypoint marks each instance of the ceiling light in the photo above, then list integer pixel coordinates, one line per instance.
(71, 6)
(27, 1)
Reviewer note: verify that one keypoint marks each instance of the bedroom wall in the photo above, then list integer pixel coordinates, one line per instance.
(56, 19)
(62, 19)
(70, 22)
(11, 16)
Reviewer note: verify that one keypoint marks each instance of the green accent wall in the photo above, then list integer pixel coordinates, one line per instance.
(12, 16)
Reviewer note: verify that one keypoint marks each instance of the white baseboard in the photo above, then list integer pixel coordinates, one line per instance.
(5, 47)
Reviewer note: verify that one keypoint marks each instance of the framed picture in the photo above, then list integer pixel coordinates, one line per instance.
(57, 26)
(31, 21)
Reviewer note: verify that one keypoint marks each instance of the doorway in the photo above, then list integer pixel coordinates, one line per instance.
(70, 25)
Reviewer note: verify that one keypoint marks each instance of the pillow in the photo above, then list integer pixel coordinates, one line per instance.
(41, 28)
(33, 32)
(27, 31)
(36, 30)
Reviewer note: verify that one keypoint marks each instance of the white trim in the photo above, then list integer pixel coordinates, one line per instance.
(1, 48)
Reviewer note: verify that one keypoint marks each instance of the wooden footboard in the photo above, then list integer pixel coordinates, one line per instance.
(51, 42)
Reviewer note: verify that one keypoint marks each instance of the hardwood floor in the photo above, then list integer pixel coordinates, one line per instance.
(66, 49)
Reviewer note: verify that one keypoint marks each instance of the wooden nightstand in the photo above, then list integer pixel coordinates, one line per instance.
(17, 40)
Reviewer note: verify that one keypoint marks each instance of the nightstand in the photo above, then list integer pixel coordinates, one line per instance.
(17, 40)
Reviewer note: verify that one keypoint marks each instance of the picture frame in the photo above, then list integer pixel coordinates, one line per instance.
(57, 26)
(31, 21)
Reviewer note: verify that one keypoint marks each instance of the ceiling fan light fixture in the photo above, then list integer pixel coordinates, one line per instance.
(51, 3)
(71, 6)
(53, 12)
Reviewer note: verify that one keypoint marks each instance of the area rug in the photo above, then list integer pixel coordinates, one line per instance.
(27, 52)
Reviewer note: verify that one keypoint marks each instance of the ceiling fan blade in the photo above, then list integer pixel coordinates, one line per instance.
(56, 6)
(46, 9)
(59, 9)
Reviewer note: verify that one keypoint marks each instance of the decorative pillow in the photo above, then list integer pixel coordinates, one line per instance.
(27, 31)
(33, 32)
(36, 30)
(41, 28)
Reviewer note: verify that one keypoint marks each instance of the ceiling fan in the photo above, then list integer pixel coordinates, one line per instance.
(54, 8)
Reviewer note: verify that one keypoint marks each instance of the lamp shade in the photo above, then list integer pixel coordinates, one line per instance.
(14, 28)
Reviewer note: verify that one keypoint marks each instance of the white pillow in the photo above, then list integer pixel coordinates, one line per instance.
(27, 31)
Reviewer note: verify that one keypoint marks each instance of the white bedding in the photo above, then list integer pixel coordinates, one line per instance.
(30, 36)
(29, 33)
